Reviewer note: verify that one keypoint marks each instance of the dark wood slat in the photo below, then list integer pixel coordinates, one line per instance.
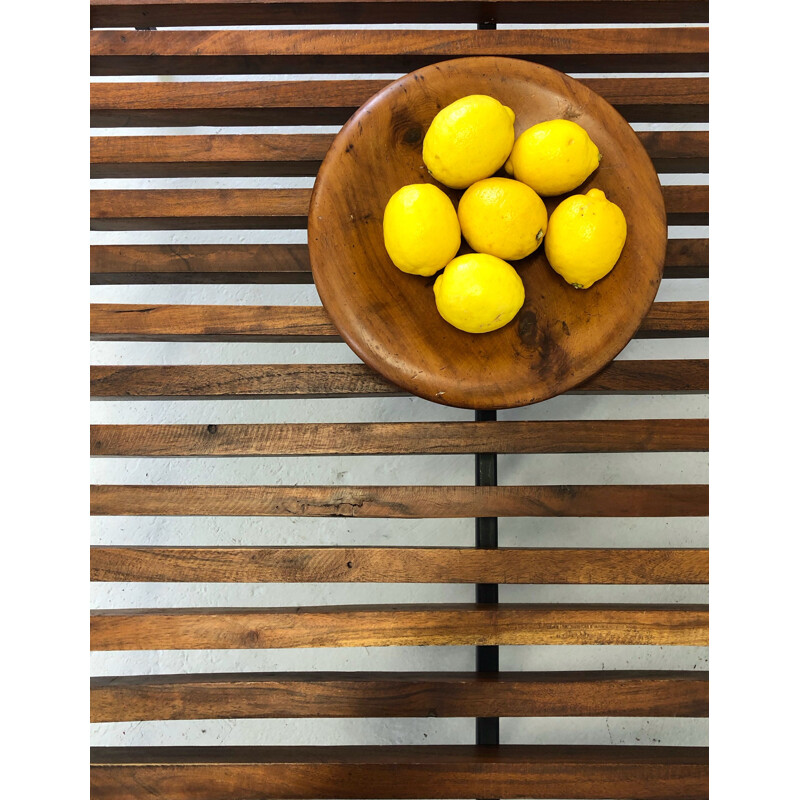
(222, 263)
(675, 319)
(353, 380)
(388, 438)
(197, 52)
(174, 13)
(189, 209)
(677, 151)
(217, 323)
(278, 263)
(401, 502)
(686, 205)
(398, 625)
(399, 565)
(332, 102)
(686, 258)
(427, 771)
(301, 154)
(399, 694)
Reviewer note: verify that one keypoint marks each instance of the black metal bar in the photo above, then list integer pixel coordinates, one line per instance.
(487, 729)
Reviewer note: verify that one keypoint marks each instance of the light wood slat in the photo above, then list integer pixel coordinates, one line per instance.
(168, 209)
(219, 323)
(519, 565)
(353, 380)
(198, 52)
(398, 625)
(278, 263)
(422, 771)
(401, 502)
(399, 694)
(388, 438)
(334, 101)
(173, 13)
(301, 154)
(201, 155)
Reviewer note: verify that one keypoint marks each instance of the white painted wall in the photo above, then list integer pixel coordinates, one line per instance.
(610, 469)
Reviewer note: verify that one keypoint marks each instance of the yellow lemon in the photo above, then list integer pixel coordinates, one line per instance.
(468, 140)
(553, 157)
(478, 293)
(585, 238)
(420, 229)
(503, 218)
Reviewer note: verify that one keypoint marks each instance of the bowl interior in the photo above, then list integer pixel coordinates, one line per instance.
(562, 335)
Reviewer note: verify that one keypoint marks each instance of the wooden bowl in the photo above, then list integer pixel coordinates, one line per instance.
(562, 335)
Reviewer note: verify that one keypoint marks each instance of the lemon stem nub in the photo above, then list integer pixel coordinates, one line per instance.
(540, 235)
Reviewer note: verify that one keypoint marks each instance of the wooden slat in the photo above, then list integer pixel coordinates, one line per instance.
(222, 263)
(401, 438)
(278, 263)
(686, 205)
(398, 625)
(399, 694)
(399, 565)
(422, 771)
(218, 323)
(168, 209)
(301, 154)
(686, 258)
(401, 502)
(168, 13)
(676, 151)
(199, 52)
(334, 101)
(353, 380)
(675, 319)
(200, 155)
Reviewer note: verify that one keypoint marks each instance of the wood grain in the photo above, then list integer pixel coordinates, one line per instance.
(221, 263)
(198, 52)
(332, 102)
(401, 438)
(219, 323)
(354, 380)
(399, 565)
(211, 209)
(399, 694)
(398, 625)
(401, 502)
(301, 154)
(427, 771)
(278, 263)
(168, 13)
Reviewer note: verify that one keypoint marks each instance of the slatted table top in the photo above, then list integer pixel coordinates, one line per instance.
(232, 396)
